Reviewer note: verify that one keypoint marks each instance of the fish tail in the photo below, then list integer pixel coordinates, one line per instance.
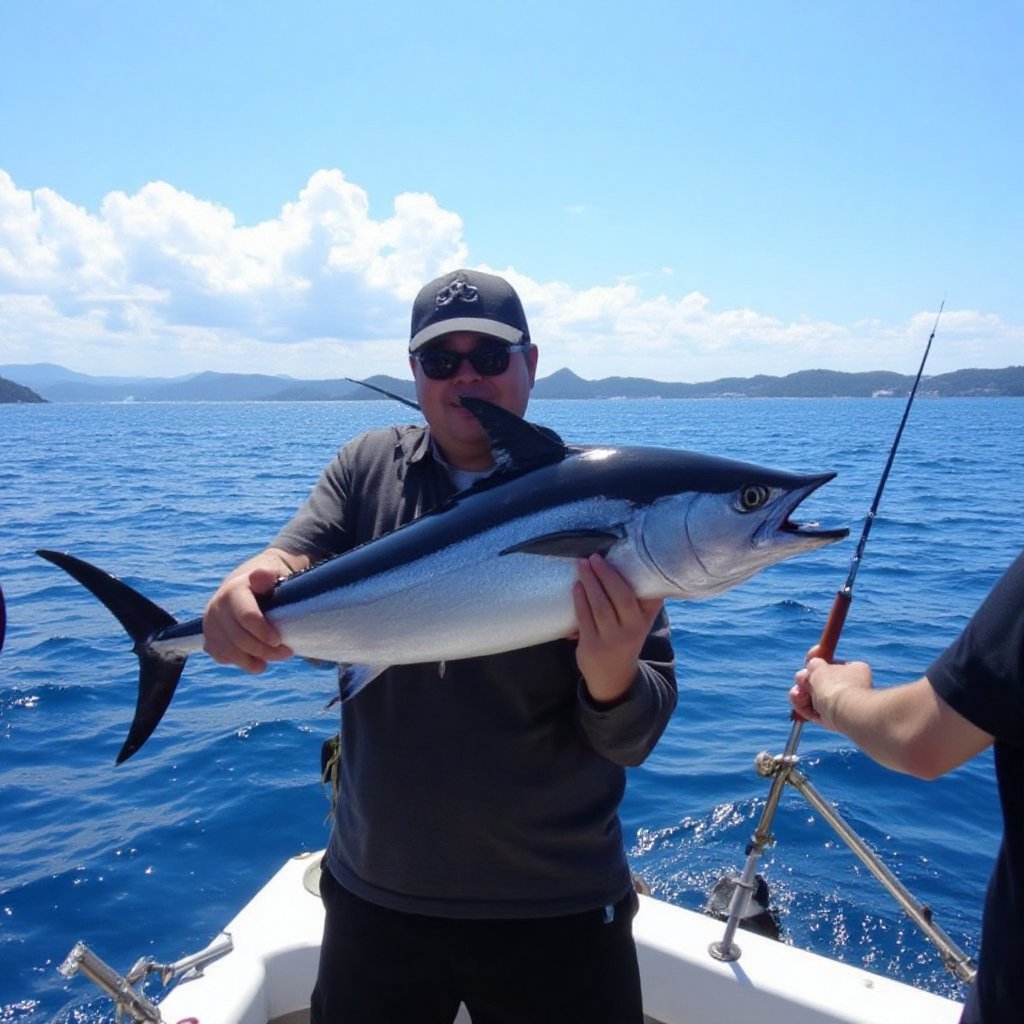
(141, 619)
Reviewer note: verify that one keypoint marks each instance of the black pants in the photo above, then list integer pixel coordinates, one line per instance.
(379, 966)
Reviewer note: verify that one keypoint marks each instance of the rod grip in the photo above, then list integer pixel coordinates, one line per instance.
(834, 625)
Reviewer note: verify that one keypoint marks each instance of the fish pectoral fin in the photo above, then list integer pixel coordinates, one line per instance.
(570, 543)
(352, 678)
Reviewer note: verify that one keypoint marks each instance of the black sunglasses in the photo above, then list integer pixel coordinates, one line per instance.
(489, 360)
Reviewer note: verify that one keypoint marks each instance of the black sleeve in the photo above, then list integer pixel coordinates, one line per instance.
(981, 674)
(627, 731)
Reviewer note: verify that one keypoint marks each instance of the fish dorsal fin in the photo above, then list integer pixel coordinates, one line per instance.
(570, 543)
(515, 444)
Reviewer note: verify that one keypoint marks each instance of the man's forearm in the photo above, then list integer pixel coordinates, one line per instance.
(908, 728)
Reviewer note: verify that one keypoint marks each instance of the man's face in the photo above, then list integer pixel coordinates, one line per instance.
(458, 432)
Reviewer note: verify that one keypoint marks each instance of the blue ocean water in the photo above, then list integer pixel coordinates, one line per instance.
(153, 857)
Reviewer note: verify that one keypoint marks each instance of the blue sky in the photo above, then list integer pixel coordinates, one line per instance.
(679, 191)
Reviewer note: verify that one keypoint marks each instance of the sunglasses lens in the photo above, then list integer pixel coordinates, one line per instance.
(439, 364)
(490, 361)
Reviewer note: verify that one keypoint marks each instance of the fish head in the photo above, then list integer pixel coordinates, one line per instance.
(704, 542)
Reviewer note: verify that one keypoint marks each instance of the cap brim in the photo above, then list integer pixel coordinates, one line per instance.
(479, 325)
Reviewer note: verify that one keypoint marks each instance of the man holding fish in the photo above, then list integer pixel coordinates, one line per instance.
(476, 854)
(502, 591)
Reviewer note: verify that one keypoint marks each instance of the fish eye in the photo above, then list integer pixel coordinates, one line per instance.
(752, 497)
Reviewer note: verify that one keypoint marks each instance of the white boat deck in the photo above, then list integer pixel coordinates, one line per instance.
(270, 972)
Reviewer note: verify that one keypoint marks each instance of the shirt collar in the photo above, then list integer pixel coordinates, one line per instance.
(416, 445)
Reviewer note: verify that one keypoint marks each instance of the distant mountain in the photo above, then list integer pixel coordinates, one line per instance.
(215, 387)
(56, 384)
(980, 383)
(11, 393)
(1008, 382)
(59, 384)
(48, 373)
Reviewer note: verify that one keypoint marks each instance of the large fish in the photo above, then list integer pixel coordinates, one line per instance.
(492, 569)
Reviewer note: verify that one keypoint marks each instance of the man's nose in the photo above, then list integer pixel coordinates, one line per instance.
(466, 370)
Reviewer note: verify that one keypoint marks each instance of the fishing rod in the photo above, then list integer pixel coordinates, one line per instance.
(726, 949)
(844, 596)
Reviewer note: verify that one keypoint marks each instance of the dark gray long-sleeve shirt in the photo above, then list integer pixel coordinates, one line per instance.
(488, 787)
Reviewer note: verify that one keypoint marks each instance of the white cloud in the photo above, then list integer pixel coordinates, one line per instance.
(164, 282)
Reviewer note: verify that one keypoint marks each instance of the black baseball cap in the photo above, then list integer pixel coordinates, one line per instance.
(467, 300)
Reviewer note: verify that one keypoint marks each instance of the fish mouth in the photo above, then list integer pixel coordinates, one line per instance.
(812, 529)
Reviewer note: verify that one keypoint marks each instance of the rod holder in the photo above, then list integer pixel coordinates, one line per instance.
(121, 988)
(127, 999)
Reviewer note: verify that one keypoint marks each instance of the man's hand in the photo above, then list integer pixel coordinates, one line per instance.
(909, 728)
(820, 685)
(613, 625)
(235, 630)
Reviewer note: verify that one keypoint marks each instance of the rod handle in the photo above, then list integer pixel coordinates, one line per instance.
(834, 624)
(827, 644)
